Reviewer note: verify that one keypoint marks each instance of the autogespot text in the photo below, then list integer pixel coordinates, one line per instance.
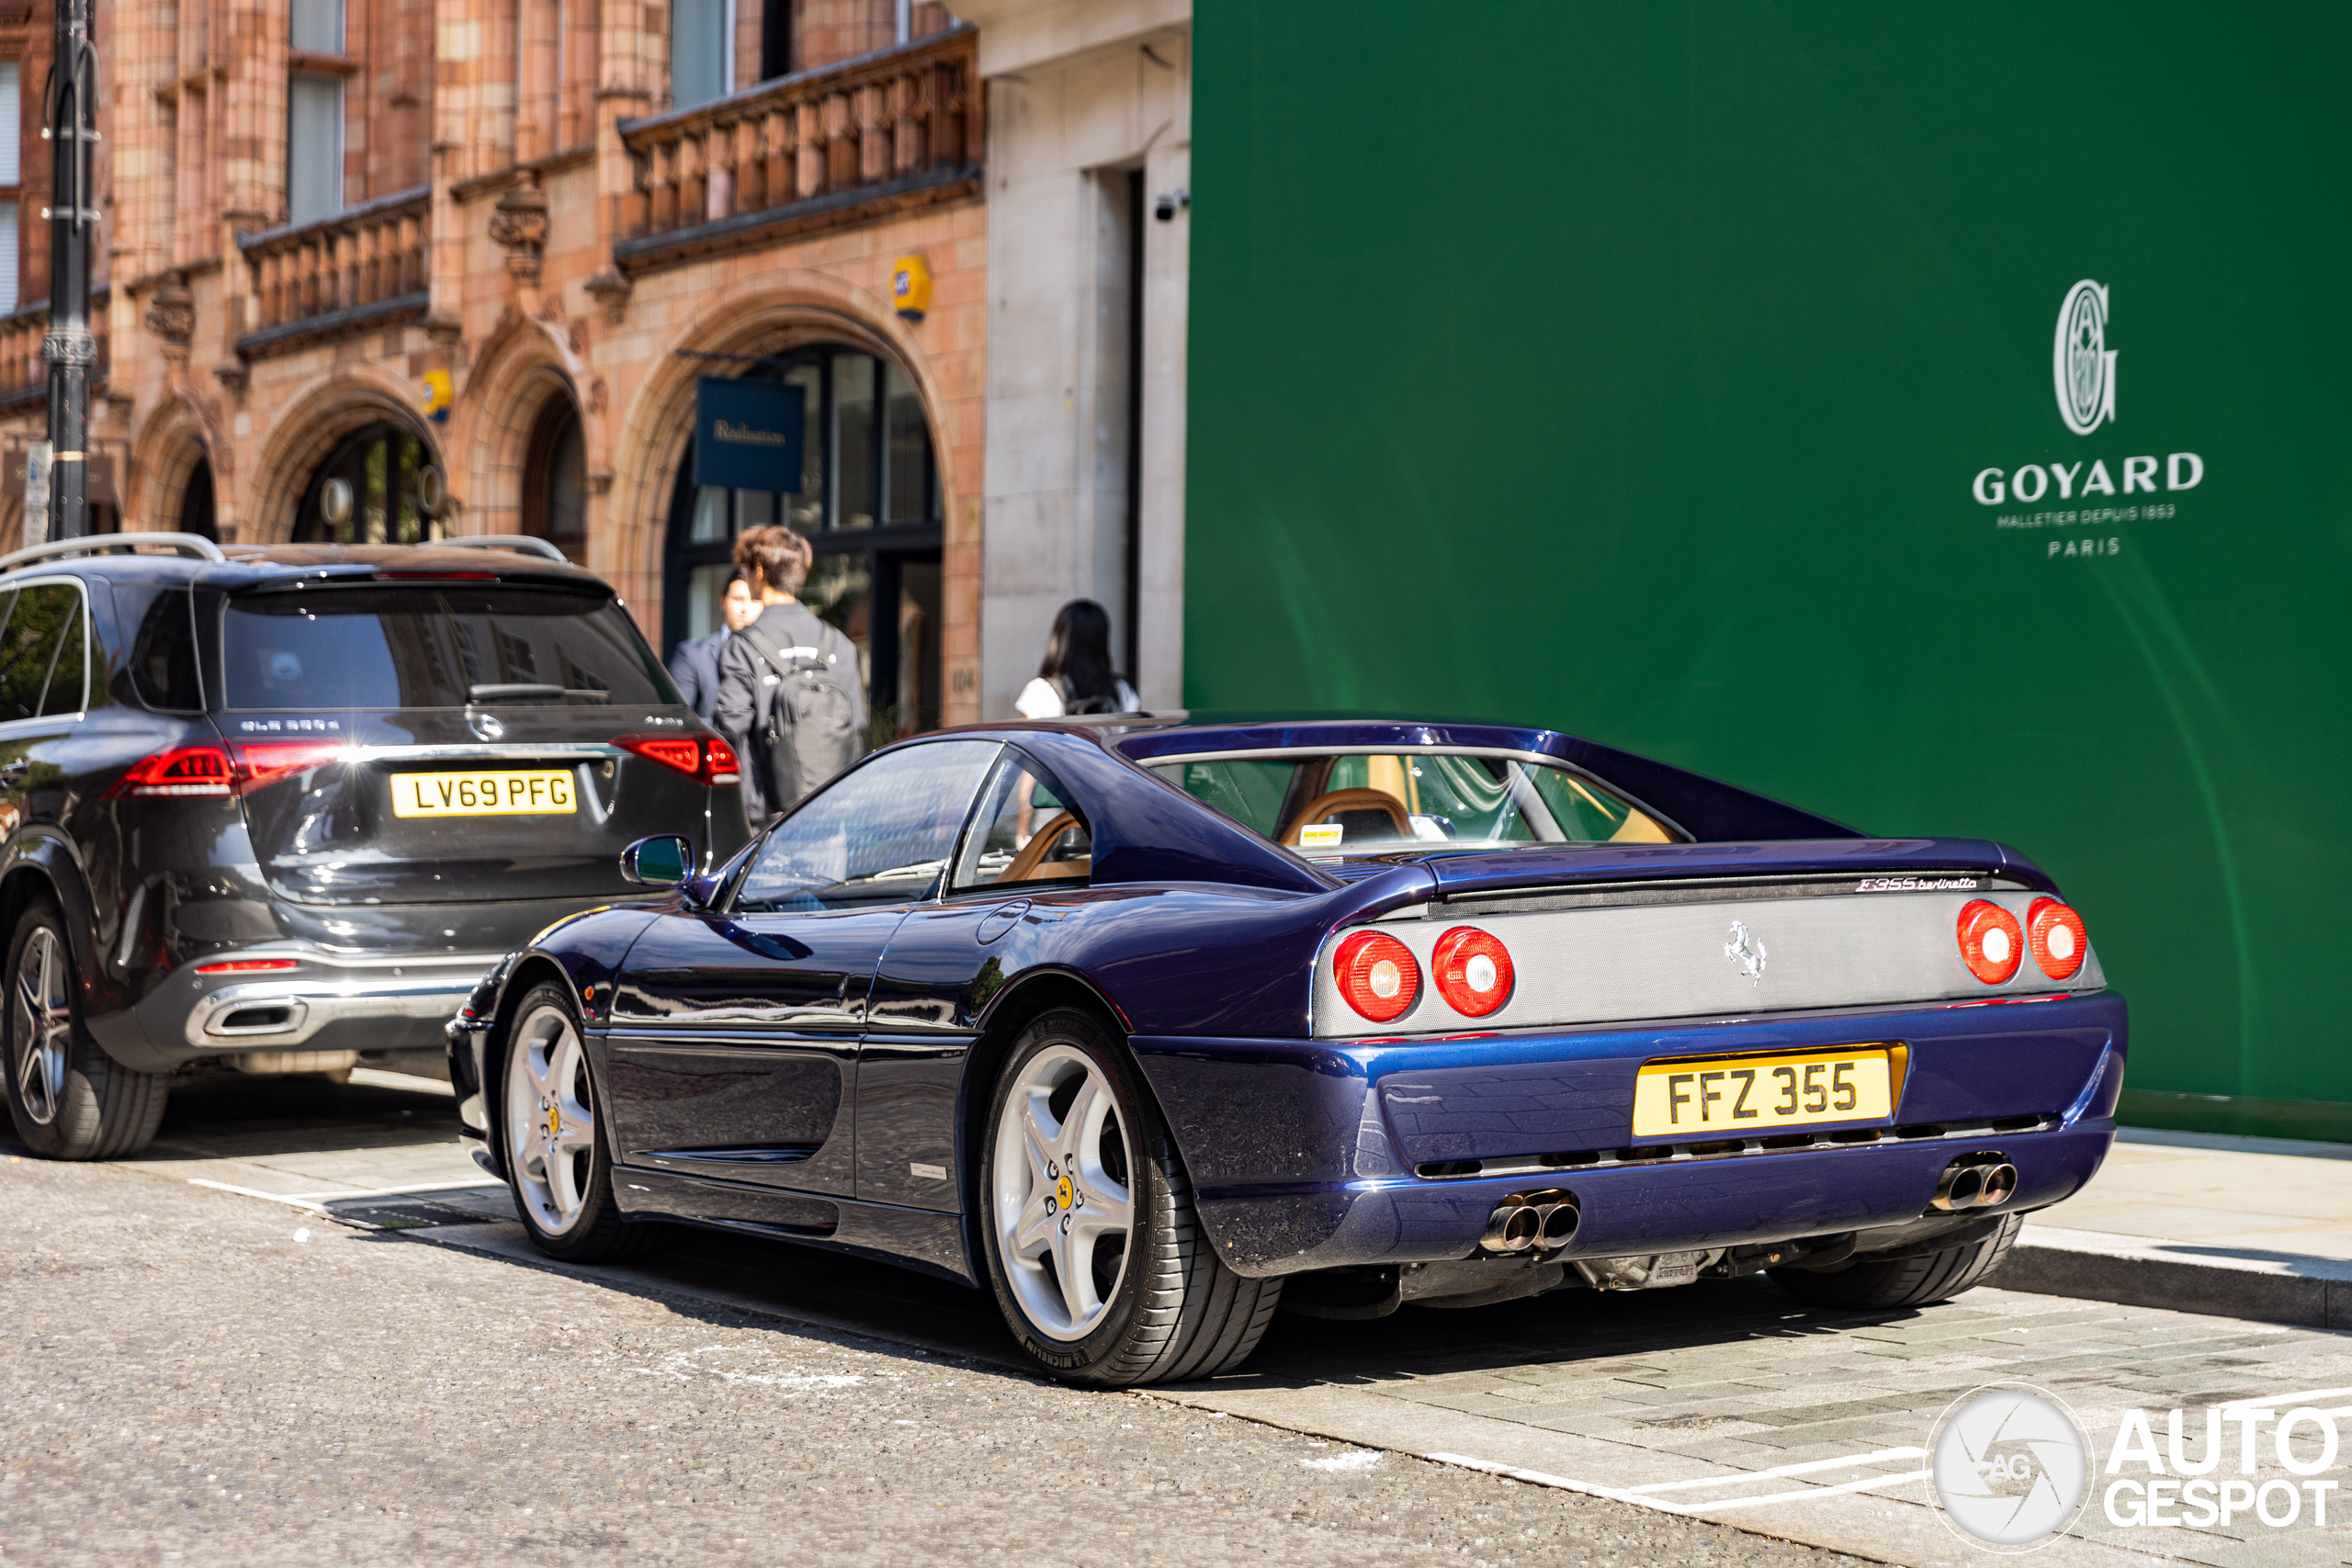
(2177, 1484)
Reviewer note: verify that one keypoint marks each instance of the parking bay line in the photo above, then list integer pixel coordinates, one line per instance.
(1880, 1457)
(2286, 1401)
(312, 1201)
(1641, 1496)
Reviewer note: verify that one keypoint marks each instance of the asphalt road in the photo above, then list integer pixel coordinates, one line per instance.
(196, 1376)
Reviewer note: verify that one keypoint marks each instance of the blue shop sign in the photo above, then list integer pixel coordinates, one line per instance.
(748, 434)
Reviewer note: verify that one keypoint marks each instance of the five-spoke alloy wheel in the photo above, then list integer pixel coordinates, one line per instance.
(556, 1158)
(1058, 1192)
(68, 1098)
(1094, 1249)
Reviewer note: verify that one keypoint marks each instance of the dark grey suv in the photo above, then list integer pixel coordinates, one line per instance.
(274, 807)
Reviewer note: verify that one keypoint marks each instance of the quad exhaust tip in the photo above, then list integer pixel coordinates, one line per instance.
(1530, 1222)
(1975, 1181)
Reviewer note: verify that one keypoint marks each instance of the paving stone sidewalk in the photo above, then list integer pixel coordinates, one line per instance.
(2253, 1227)
(1656, 1393)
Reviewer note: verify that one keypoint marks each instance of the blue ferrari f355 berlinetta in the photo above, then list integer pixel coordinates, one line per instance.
(1154, 1025)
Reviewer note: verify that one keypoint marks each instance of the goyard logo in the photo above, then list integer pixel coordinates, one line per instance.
(1746, 953)
(2081, 363)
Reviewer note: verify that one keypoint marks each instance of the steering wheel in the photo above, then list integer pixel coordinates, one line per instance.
(1033, 853)
(1340, 800)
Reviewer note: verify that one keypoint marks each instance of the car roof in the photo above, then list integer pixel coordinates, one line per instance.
(251, 566)
(1146, 736)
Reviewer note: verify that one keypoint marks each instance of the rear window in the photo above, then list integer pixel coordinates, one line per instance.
(439, 646)
(1335, 803)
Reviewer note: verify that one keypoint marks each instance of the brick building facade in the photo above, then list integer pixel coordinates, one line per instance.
(314, 205)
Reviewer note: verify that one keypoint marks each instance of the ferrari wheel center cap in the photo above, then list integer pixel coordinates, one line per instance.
(1063, 1191)
(555, 1122)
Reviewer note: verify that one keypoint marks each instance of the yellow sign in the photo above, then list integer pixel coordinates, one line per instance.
(1747, 1094)
(909, 288)
(506, 793)
(436, 395)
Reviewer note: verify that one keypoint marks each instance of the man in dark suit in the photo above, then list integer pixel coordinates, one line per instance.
(693, 665)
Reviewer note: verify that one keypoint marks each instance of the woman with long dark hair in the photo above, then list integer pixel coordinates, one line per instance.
(1076, 676)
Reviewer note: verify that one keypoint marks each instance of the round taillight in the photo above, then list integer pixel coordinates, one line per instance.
(1376, 975)
(1473, 970)
(1992, 944)
(2056, 935)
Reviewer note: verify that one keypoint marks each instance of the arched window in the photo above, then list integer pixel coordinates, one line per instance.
(372, 490)
(869, 504)
(555, 479)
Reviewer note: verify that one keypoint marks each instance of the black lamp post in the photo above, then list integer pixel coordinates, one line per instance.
(70, 349)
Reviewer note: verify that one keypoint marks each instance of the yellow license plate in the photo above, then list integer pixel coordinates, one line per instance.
(1747, 1094)
(508, 792)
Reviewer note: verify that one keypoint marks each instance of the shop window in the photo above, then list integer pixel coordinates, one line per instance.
(370, 492)
(555, 481)
(868, 500)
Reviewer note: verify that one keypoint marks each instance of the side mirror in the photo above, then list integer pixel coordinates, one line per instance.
(662, 861)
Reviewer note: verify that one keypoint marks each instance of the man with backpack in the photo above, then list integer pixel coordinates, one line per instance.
(789, 698)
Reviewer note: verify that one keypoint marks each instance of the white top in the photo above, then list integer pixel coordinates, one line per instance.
(1041, 699)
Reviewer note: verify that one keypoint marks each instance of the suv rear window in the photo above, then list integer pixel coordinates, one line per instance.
(438, 646)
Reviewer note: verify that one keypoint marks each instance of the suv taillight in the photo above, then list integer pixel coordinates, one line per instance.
(221, 770)
(182, 770)
(704, 757)
(265, 762)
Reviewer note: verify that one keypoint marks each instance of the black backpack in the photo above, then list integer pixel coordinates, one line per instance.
(806, 729)
(1107, 703)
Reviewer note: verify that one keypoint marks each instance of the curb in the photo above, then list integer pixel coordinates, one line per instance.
(2268, 1287)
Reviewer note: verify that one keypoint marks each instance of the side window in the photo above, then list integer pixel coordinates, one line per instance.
(162, 656)
(30, 645)
(880, 834)
(1028, 829)
(69, 675)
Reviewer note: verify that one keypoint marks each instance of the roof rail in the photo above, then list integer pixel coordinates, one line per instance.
(522, 544)
(190, 545)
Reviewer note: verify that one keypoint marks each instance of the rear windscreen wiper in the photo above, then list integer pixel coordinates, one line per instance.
(523, 691)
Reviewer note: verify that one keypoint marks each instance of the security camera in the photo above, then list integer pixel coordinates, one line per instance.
(1164, 207)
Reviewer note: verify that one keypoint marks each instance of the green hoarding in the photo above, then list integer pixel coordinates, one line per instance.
(1933, 416)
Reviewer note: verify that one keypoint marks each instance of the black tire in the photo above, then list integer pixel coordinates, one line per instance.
(1176, 1311)
(68, 1098)
(545, 1176)
(1903, 1281)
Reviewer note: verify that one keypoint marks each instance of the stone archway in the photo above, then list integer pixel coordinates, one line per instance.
(513, 383)
(165, 457)
(776, 311)
(329, 408)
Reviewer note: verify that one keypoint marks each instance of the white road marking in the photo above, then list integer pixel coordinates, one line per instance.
(1538, 1478)
(1641, 1495)
(415, 1083)
(312, 1201)
(2287, 1400)
(1879, 1458)
(1862, 1485)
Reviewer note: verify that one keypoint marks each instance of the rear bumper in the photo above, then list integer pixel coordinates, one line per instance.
(328, 1001)
(1323, 1153)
